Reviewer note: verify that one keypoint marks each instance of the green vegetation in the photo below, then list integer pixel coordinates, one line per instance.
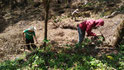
(45, 59)
(50, 60)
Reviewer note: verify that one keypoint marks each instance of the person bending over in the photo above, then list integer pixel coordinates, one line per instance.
(29, 36)
(87, 26)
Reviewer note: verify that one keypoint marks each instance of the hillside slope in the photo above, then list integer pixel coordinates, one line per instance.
(14, 22)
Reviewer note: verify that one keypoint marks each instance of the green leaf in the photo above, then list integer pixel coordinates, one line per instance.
(45, 40)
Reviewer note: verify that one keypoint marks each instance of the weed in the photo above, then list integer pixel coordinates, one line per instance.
(47, 59)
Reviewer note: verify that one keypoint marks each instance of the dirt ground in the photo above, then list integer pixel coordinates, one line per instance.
(11, 41)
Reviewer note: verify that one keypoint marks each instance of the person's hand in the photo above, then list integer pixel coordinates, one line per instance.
(36, 42)
(98, 34)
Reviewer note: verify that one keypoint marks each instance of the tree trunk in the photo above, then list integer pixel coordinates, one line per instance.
(46, 4)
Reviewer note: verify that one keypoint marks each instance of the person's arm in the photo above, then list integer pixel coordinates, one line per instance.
(35, 37)
(88, 30)
(23, 34)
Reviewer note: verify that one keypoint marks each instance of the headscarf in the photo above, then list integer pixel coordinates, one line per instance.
(32, 28)
(99, 22)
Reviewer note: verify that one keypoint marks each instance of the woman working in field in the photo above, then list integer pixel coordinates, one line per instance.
(87, 26)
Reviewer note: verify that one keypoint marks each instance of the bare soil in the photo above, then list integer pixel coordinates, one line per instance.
(11, 42)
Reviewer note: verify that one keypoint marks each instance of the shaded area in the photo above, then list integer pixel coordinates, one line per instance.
(3, 24)
(13, 17)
